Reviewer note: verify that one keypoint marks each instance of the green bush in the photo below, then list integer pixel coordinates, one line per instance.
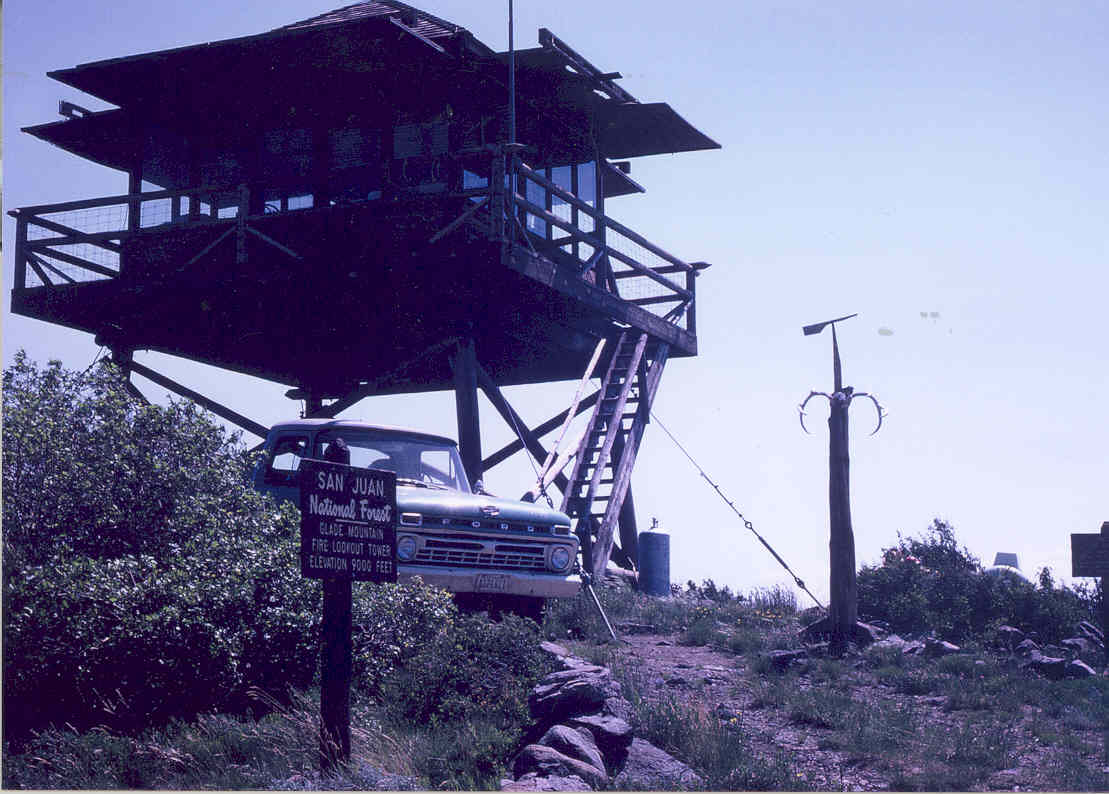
(473, 669)
(144, 578)
(929, 584)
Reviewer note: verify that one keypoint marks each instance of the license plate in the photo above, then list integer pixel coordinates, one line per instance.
(491, 582)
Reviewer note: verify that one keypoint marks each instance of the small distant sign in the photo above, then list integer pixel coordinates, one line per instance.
(1090, 553)
(348, 524)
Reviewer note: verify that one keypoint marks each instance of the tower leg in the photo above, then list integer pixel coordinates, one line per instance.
(464, 366)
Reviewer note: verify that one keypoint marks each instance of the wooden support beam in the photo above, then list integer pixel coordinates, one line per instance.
(60, 274)
(570, 283)
(219, 410)
(450, 227)
(513, 420)
(270, 241)
(507, 451)
(329, 411)
(62, 256)
(465, 367)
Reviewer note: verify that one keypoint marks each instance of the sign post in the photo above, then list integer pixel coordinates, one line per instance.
(347, 534)
(1090, 557)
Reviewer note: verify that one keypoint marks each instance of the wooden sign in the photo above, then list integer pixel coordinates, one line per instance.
(1090, 553)
(348, 524)
(1090, 557)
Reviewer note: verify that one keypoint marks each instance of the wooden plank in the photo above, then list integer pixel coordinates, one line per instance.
(535, 209)
(64, 276)
(270, 241)
(61, 256)
(329, 411)
(554, 275)
(219, 410)
(99, 239)
(106, 201)
(46, 282)
(622, 475)
(608, 222)
(656, 299)
(450, 227)
(514, 421)
(465, 367)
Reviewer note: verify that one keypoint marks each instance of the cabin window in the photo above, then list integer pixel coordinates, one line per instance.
(355, 165)
(537, 195)
(288, 452)
(419, 155)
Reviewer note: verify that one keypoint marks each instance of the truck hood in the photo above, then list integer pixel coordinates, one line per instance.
(433, 502)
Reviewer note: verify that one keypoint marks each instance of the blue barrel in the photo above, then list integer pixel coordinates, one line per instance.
(654, 561)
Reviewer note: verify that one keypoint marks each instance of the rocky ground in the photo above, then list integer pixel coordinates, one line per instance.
(1042, 747)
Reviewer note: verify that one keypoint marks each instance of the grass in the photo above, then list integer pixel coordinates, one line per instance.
(216, 751)
(914, 723)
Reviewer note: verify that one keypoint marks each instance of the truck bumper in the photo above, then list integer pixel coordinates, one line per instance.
(468, 580)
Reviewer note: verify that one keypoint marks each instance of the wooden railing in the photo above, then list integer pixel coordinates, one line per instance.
(81, 241)
(607, 253)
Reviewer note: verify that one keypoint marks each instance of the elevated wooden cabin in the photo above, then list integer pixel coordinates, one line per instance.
(335, 205)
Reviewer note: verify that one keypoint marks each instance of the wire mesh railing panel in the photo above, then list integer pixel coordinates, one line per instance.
(93, 220)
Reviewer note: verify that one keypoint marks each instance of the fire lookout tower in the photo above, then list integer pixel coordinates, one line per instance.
(335, 205)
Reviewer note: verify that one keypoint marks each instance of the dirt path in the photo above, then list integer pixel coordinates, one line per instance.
(724, 686)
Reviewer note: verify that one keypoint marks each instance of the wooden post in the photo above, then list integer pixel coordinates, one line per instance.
(843, 592)
(240, 224)
(21, 251)
(134, 205)
(336, 654)
(464, 365)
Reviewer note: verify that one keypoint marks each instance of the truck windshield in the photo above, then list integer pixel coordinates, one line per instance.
(416, 461)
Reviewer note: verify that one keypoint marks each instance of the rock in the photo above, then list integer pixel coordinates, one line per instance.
(569, 693)
(664, 643)
(1026, 648)
(611, 734)
(1078, 669)
(547, 762)
(1053, 650)
(935, 648)
(370, 778)
(1079, 645)
(649, 768)
(577, 744)
(1048, 666)
(678, 681)
(533, 782)
(554, 649)
(617, 707)
(867, 633)
(1009, 635)
(1091, 632)
(781, 660)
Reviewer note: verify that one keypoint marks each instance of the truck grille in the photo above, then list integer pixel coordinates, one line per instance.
(482, 554)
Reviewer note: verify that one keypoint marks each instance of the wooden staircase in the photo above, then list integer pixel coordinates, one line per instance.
(603, 466)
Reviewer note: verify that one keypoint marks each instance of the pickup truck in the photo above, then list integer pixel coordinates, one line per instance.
(492, 552)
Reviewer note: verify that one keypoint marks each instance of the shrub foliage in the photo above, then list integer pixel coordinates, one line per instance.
(144, 579)
(931, 584)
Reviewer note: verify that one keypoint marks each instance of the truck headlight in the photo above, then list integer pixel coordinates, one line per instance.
(406, 547)
(560, 558)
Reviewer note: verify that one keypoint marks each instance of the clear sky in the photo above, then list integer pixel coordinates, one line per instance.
(939, 168)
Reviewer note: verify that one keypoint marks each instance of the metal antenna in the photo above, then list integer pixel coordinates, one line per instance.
(511, 78)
